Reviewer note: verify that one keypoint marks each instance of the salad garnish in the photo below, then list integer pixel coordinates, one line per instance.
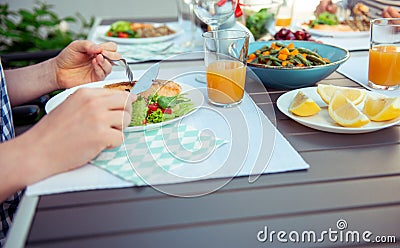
(156, 109)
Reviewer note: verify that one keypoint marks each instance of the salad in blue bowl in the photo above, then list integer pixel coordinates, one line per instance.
(294, 64)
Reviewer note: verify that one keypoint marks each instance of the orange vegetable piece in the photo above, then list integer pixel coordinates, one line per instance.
(294, 52)
(304, 55)
(252, 56)
(284, 63)
(284, 51)
(265, 53)
(290, 46)
(273, 46)
(282, 56)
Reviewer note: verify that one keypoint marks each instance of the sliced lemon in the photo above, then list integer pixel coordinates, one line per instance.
(303, 105)
(382, 108)
(345, 113)
(356, 96)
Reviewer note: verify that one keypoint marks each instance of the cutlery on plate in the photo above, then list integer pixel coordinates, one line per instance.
(146, 80)
(123, 63)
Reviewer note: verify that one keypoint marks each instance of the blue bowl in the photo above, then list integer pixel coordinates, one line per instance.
(298, 77)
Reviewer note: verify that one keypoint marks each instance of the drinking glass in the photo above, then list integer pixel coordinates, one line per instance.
(214, 12)
(384, 54)
(225, 60)
(259, 16)
(186, 20)
(285, 14)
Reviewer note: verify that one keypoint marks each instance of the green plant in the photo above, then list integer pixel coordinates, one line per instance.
(258, 22)
(37, 29)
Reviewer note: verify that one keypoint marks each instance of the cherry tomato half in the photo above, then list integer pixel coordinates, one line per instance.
(153, 107)
(122, 35)
(167, 111)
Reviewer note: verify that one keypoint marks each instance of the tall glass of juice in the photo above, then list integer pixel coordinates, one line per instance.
(384, 54)
(285, 14)
(225, 60)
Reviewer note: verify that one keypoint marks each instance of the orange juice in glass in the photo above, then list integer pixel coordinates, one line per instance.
(225, 60)
(225, 81)
(283, 21)
(384, 66)
(384, 54)
(285, 14)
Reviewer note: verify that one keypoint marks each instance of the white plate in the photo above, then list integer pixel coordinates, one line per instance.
(340, 34)
(176, 28)
(195, 95)
(322, 121)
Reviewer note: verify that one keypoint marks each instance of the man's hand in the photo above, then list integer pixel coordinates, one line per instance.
(391, 13)
(325, 5)
(81, 62)
(87, 122)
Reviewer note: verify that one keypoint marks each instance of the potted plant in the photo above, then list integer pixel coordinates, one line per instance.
(37, 34)
(31, 36)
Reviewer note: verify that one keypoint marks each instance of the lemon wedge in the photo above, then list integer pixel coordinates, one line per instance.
(303, 105)
(356, 96)
(382, 108)
(344, 112)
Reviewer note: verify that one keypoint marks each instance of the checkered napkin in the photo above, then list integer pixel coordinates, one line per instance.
(151, 50)
(154, 155)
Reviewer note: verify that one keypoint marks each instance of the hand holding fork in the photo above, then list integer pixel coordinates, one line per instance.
(122, 62)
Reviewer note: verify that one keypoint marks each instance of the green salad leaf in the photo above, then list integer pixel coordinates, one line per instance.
(139, 112)
(120, 26)
(155, 116)
(325, 18)
(171, 101)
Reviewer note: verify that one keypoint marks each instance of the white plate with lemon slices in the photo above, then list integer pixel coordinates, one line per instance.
(322, 120)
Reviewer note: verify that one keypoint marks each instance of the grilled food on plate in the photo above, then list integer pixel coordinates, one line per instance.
(162, 102)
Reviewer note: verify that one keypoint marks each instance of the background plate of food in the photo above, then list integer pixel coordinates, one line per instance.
(340, 31)
(124, 32)
(173, 102)
(327, 24)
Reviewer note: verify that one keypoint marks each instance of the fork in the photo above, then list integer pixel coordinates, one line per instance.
(121, 62)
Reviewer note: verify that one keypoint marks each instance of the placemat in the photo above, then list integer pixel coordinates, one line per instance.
(254, 146)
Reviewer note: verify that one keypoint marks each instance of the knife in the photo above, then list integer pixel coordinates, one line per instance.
(146, 80)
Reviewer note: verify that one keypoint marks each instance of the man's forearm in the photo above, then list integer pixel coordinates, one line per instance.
(28, 83)
(12, 162)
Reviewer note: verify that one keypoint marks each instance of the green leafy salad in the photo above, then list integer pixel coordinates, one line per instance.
(122, 29)
(325, 18)
(258, 22)
(156, 109)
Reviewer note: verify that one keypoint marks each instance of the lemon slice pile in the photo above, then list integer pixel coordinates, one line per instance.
(302, 105)
(344, 112)
(356, 96)
(382, 109)
(342, 107)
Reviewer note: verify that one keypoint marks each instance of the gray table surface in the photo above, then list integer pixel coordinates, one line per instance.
(355, 178)
(352, 178)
